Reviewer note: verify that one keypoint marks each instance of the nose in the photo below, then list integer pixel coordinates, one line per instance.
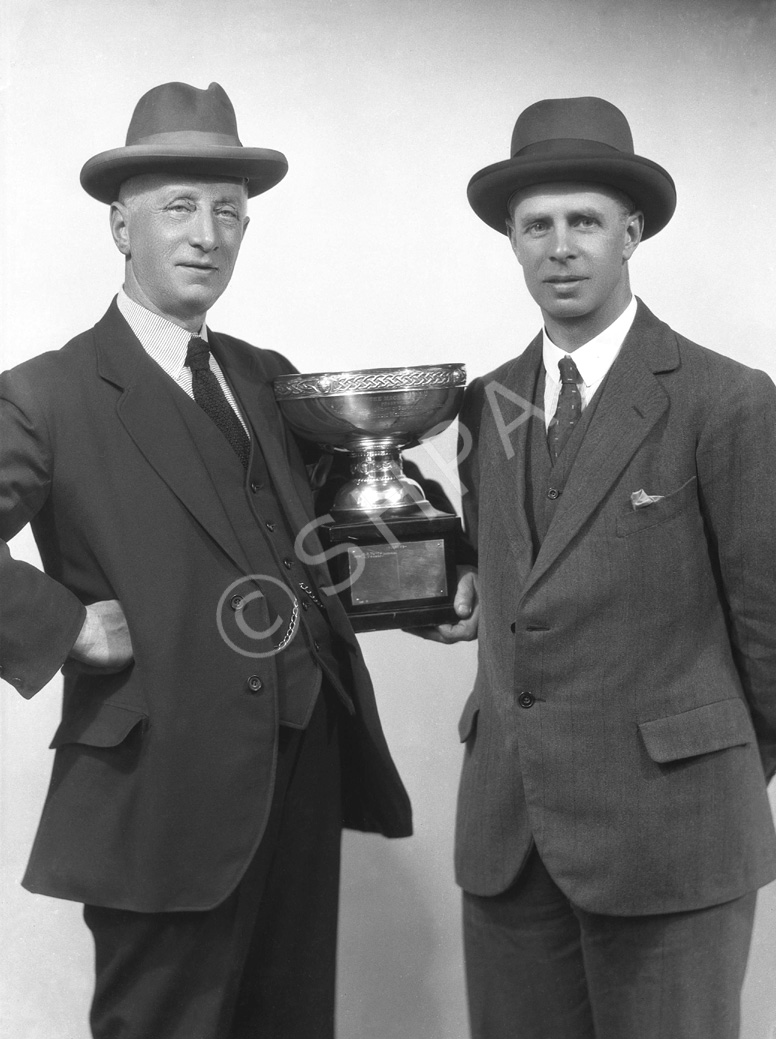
(562, 244)
(202, 230)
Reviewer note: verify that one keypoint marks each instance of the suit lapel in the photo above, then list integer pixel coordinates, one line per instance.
(253, 389)
(188, 452)
(510, 401)
(177, 439)
(632, 401)
(256, 398)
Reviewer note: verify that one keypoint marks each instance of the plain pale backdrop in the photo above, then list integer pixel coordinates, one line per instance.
(367, 254)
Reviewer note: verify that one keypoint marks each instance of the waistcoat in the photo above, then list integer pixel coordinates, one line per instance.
(305, 644)
(545, 482)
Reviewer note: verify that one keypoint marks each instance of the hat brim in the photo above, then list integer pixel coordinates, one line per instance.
(103, 175)
(649, 186)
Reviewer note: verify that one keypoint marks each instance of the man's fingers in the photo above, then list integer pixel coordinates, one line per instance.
(104, 641)
(466, 595)
(466, 606)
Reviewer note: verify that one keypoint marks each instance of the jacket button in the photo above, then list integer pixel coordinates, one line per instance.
(553, 493)
(317, 646)
(305, 604)
(254, 683)
(270, 526)
(526, 700)
(255, 487)
(236, 602)
(288, 563)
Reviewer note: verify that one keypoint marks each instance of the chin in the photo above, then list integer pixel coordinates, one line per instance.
(570, 309)
(199, 302)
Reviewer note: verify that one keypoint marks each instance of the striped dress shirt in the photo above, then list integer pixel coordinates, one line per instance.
(167, 343)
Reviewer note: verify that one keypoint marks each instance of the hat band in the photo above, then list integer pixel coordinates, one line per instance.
(187, 139)
(562, 146)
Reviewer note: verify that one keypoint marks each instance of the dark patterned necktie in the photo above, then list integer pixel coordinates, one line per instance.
(212, 399)
(568, 410)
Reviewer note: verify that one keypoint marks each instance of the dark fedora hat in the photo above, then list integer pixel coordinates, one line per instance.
(582, 139)
(179, 129)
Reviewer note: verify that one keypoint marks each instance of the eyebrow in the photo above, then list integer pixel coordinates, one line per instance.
(540, 216)
(191, 195)
(587, 211)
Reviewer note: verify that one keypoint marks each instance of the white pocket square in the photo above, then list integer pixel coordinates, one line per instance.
(641, 500)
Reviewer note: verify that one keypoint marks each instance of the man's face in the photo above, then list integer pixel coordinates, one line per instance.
(573, 242)
(181, 237)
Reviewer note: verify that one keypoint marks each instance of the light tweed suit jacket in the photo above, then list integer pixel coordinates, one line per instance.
(646, 637)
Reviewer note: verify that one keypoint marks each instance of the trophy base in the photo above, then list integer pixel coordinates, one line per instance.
(392, 571)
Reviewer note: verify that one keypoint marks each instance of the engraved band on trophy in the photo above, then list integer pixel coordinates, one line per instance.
(397, 569)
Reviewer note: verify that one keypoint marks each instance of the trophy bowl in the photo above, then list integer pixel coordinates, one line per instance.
(341, 409)
(372, 414)
(391, 553)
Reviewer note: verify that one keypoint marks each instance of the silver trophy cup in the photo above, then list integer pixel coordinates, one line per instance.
(398, 565)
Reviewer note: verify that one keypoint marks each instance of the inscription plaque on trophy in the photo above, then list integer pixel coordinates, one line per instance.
(396, 567)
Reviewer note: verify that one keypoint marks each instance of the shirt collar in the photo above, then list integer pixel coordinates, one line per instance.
(163, 340)
(595, 358)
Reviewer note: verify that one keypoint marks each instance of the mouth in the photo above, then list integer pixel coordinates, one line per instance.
(199, 266)
(564, 279)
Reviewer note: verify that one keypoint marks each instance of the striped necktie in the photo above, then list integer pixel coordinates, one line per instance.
(568, 410)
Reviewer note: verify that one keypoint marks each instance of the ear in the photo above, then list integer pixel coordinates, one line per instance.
(119, 227)
(246, 221)
(634, 229)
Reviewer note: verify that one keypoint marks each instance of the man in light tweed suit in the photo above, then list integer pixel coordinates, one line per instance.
(613, 823)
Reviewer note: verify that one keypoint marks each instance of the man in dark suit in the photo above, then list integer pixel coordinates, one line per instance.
(613, 824)
(219, 725)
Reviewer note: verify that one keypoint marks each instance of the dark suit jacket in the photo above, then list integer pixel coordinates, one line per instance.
(647, 637)
(164, 773)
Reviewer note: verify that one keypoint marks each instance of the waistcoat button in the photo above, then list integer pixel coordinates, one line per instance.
(254, 683)
(526, 699)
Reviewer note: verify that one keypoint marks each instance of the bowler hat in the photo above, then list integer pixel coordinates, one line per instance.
(177, 128)
(582, 139)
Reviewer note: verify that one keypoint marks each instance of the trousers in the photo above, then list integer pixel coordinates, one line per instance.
(540, 967)
(262, 963)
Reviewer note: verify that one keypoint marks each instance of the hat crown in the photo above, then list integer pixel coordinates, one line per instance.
(572, 118)
(175, 108)
(581, 140)
(177, 129)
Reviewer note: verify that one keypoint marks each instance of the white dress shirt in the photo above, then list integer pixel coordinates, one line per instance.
(167, 343)
(593, 360)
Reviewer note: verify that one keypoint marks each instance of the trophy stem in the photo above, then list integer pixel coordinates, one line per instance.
(378, 482)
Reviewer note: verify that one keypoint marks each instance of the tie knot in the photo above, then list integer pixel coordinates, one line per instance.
(197, 354)
(568, 370)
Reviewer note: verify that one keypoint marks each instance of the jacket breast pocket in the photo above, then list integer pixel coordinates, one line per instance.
(704, 730)
(105, 725)
(631, 520)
